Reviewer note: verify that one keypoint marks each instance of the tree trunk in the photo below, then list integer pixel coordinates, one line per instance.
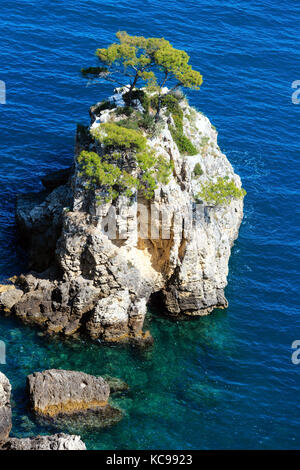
(158, 108)
(132, 87)
(159, 96)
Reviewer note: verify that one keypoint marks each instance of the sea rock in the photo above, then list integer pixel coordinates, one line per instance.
(54, 442)
(5, 408)
(83, 421)
(56, 392)
(104, 282)
(71, 401)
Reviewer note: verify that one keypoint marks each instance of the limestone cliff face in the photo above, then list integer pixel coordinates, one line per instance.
(102, 284)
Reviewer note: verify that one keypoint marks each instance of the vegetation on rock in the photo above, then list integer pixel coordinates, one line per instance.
(197, 170)
(107, 172)
(113, 136)
(171, 103)
(220, 193)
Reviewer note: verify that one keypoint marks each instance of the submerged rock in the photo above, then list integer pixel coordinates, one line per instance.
(83, 421)
(116, 385)
(5, 408)
(55, 442)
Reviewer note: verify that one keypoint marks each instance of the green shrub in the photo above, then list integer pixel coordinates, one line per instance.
(178, 121)
(171, 103)
(164, 169)
(197, 170)
(129, 124)
(220, 193)
(139, 121)
(178, 94)
(101, 173)
(184, 145)
(113, 136)
(147, 122)
(204, 141)
(124, 110)
(92, 71)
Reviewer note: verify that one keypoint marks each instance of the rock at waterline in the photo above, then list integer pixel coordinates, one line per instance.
(71, 399)
(9, 296)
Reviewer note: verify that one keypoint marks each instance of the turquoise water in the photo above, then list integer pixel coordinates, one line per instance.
(227, 380)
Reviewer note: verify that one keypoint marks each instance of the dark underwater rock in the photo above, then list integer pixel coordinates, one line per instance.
(116, 384)
(83, 421)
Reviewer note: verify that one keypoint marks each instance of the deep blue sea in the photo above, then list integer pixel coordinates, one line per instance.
(221, 382)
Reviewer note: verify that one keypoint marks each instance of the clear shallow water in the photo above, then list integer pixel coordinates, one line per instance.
(225, 381)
